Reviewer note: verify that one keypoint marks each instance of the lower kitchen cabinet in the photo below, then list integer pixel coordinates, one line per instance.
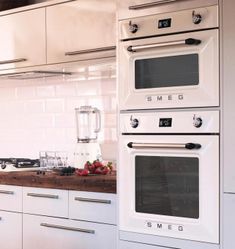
(10, 230)
(57, 233)
(131, 245)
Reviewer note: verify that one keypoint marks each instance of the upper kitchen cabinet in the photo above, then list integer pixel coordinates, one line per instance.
(23, 39)
(135, 8)
(81, 30)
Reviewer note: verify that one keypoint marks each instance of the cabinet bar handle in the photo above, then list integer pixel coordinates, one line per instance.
(75, 229)
(13, 61)
(92, 200)
(150, 5)
(43, 195)
(189, 146)
(87, 51)
(189, 42)
(6, 192)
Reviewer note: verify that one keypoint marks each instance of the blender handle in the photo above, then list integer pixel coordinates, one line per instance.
(98, 121)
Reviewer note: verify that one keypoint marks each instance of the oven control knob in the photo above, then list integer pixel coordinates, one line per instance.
(133, 28)
(197, 122)
(197, 18)
(134, 123)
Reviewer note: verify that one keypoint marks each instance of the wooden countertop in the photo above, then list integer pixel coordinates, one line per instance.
(95, 183)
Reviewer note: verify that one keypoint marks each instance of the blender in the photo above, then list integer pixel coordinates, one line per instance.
(88, 122)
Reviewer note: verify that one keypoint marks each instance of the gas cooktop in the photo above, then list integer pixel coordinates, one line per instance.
(18, 164)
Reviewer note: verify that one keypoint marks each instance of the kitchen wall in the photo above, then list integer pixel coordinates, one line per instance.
(38, 115)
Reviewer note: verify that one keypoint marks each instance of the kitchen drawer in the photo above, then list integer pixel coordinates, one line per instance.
(43, 201)
(90, 206)
(56, 233)
(11, 230)
(11, 198)
(131, 245)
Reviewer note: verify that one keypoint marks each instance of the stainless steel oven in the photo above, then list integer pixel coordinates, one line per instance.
(169, 60)
(169, 174)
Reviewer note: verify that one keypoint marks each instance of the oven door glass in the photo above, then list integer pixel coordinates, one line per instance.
(172, 71)
(167, 186)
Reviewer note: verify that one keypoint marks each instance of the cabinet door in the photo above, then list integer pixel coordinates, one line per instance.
(229, 221)
(11, 198)
(45, 201)
(22, 40)
(131, 245)
(54, 233)
(76, 30)
(82, 205)
(11, 230)
(135, 8)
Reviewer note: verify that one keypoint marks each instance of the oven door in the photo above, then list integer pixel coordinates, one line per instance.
(170, 71)
(167, 187)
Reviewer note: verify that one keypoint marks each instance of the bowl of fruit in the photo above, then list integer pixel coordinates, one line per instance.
(95, 168)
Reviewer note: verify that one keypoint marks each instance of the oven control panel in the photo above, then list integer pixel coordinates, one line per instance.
(170, 122)
(167, 23)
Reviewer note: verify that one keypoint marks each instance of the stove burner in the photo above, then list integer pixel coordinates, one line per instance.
(19, 163)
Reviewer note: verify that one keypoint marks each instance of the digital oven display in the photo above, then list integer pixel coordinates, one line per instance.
(165, 122)
(164, 23)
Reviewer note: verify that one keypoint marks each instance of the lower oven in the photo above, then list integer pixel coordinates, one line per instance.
(169, 174)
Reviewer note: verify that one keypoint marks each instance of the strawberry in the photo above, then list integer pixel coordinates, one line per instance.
(105, 170)
(82, 172)
(87, 165)
(98, 171)
(97, 164)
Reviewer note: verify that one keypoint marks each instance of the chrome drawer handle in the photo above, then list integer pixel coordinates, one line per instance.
(87, 51)
(13, 61)
(92, 200)
(6, 192)
(189, 146)
(68, 228)
(189, 41)
(150, 5)
(43, 195)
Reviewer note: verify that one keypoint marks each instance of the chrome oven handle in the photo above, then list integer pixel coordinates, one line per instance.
(87, 51)
(150, 5)
(189, 41)
(189, 146)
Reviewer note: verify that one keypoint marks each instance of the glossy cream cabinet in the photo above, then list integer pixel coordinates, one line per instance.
(56, 219)
(23, 39)
(80, 30)
(135, 8)
(10, 217)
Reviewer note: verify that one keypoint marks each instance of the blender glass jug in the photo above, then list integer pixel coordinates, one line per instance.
(88, 121)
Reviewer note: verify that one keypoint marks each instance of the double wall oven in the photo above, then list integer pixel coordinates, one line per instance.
(169, 125)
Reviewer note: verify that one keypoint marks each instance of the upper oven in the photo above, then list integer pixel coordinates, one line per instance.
(169, 60)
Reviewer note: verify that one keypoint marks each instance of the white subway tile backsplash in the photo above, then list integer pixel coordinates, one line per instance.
(72, 103)
(110, 120)
(65, 120)
(101, 102)
(39, 115)
(45, 91)
(66, 90)
(7, 93)
(34, 106)
(26, 92)
(54, 105)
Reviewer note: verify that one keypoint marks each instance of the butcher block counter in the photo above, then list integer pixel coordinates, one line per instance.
(93, 183)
